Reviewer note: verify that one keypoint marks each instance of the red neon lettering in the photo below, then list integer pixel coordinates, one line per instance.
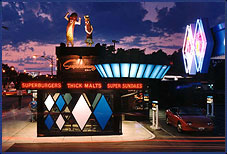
(74, 85)
(41, 85)
(132, 86)
(93, 85)
(113, 86)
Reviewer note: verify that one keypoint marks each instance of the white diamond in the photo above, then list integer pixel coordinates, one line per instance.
(60, 122)
(81, 112)
(49, 102)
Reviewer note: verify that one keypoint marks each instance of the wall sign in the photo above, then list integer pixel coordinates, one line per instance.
(77, 64)
(41, 85)
(81, 85)
(86, 85)
(124, 86)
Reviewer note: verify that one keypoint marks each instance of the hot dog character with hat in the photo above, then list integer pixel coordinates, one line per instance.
(88, 30)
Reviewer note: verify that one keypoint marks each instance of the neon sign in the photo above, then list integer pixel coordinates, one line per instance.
(77, 64)
(197, 47)
(41, 85)
(80, 85)
(188, 51)
(124, 85)
(203, 48)
(86, 85)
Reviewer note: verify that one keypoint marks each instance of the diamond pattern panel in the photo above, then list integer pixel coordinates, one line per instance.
(75, 109)
(60, 102)
(98, 96)
(81, 112)
(67, 98)
(49, 102)
(60, 122)
(55, 97)
(49, 122)
(103, 112)
(66, 110)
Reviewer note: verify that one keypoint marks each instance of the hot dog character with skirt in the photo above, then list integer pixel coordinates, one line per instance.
(88, 30)
(72, 21)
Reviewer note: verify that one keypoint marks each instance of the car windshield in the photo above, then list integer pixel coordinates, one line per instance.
(190, 111)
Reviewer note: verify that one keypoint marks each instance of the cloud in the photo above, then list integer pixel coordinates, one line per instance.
(175, 19)
(152, 7)
(48, 16)
(127, 39)
(21, 56)
(168, 43)
(5, 3)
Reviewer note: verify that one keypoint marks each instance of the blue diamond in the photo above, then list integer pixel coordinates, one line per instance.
(49, 122)
(60, 102)
(103, 112)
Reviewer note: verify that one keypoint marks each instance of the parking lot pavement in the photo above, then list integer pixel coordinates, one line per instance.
(11, 102)
(171, 131)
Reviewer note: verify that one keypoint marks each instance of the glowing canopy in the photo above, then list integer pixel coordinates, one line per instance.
(132, 70)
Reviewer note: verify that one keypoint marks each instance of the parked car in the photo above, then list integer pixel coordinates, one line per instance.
(188, 119)
(12, 92)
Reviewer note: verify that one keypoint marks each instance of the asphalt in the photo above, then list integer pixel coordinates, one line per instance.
(17, 129)
(19, 134)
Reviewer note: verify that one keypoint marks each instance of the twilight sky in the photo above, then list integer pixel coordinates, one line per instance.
(36, 28)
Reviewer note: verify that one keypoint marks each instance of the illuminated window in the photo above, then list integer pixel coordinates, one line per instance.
(67, 97)
(141, 71)
(102, 70)
(60, 122)
(103, 112)
(161, 72)
(124, 69)
(116, 70)
(49, 122)
(49, 102)
(165, 72)
(148, 71)
(60, 102)
(99, 71)
(155, 71)
(98, 96)
(108, 70)
(56, 96)
(81, 112)
(133, 70)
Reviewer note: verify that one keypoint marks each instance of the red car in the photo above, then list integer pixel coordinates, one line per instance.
(188, 119)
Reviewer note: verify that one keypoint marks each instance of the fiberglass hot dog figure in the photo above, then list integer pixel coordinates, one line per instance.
(72, 21)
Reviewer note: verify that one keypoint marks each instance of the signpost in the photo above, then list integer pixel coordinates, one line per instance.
(210, 102)
(154, 110)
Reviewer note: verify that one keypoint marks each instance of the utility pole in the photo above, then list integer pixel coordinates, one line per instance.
(115, 41)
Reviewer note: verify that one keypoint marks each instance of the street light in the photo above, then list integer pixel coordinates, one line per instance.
(12, 68)
(50, 59)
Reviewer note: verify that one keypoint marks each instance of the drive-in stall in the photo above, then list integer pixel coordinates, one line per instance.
(79, 101)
